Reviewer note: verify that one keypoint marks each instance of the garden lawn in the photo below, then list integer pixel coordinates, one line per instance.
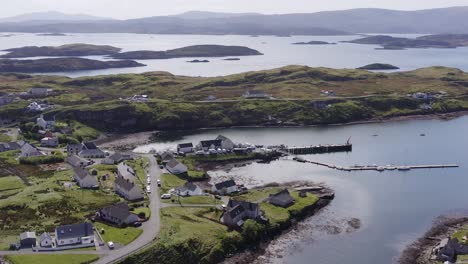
(278, 215)
(258, 195)
(203, 199)
(10, 183)
(170, 181)
(123, 236)
(51, 259)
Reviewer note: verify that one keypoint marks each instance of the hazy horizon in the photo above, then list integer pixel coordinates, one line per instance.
(126, 9)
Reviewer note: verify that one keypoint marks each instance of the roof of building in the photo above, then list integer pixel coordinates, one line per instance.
(120, 211)
(281, 198)
(75, 146)
(89, 145)
(118, 157)
(167, 156)
(81, 173)
(188, 186)
(248, 206)
(45, 236)
(26, 235)
(173, 163)
(185, 145)
(74, 231)
(235, 211)
(9, 146)
(74, 160)
(126, 184)
(209, 143)
(225, 184)
(28, 149)
(125, 171)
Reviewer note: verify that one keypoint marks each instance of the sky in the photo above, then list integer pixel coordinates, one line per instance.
(123, 9)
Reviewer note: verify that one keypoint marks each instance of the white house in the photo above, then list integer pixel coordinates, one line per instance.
(87, 150)
(46, 122)
(256, 94)
(189, 189)
(74, 234)
(45, 240)
(225, 187)
(50, 142)
(185, 148)
(175, 167)
(84, 179)
(127, 189)
(125, 171)
(39, 91)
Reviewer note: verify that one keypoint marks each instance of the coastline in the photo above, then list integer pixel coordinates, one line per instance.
(419, 252)
(130, 141)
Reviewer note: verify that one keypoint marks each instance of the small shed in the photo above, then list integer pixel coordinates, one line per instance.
(45, 240)
(28, 239)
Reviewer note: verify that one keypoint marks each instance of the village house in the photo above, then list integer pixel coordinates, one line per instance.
(225, 187)
(125, 171)
(226, 143)
(420, 96)
(51, 142)
(176, 167)
(29, 151)
(211, 98)
(166, 157)
(128, 189)
(39, 91)
(74, 234)
(76, 161)
(256, 94)
(185, 148)
(87, 150)
(10, 146)
(281, 199)
(118, 214)
(238, 211)
(46, 121)
(117, 158)
(449, 248)
(84, 179)
(28, 239)
(189, 189)
(45, 240)
(207, 145)
(328, 93)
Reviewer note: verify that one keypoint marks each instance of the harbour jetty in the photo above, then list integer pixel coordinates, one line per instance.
(376, 167)
(318, 149)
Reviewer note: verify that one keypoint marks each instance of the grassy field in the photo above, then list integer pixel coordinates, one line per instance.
(279, 215)
(4, 138)
(258, 195)
(10, 183)
(123, 236)
(205, 199)
(169, 181)
(52, 259)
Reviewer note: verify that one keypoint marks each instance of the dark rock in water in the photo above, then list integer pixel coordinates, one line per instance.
(232, 59)
(188, 52)
(198, 61)
(52, 34)
(314, 43)
(379, 66)
(424, 42)
(62, 65)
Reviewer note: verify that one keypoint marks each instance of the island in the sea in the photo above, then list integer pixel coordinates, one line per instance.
(62, 65)
(378, 66)
(61, 51)
(187, 52)
(314, 42)
(232, 59)
(52, 34)
(198, 61)
(429, 41)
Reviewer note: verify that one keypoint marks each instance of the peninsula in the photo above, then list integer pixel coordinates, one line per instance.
(314, 43)
(69, 50)
(62, 64)
(378, 66)
(187, 52)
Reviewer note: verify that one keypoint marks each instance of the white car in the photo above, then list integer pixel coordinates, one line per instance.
(111, 245)
(148, 181)
(148, 189)
(166, 196)
(147, 175)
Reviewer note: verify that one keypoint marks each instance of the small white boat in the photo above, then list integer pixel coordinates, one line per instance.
(404, 168)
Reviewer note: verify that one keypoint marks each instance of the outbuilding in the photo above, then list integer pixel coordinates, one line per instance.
(28, 239)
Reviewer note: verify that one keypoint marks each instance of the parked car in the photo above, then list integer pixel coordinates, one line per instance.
(147, 175)
(148, 189)
(148, 181)
(111, 245)
(161, 167)
(137, 224)
(159, 182)
(166, 196)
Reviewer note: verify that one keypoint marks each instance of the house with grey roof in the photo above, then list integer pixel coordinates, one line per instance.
(39, 91)
(127, 189)
(125, 171)
(118, 214)
(46, 121)
(76, 161)
(45, 240)
(238, 211)
(176, 167)
(116, 158)
(226, 143)
(207, 145)
(84, 179)
(8, 146)
(29, 151)
(28, 239)
(256, 94)
(185, 148)
(87, 150)
(225, 187)
(66, 235)
(167, 156)
(189, 189)
(282, 199)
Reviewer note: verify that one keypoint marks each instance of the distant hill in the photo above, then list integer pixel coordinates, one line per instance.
(50, 16)
(364, 20)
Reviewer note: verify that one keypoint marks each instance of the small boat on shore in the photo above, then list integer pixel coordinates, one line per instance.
(404, 168)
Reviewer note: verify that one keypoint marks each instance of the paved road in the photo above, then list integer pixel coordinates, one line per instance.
(151, 228)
